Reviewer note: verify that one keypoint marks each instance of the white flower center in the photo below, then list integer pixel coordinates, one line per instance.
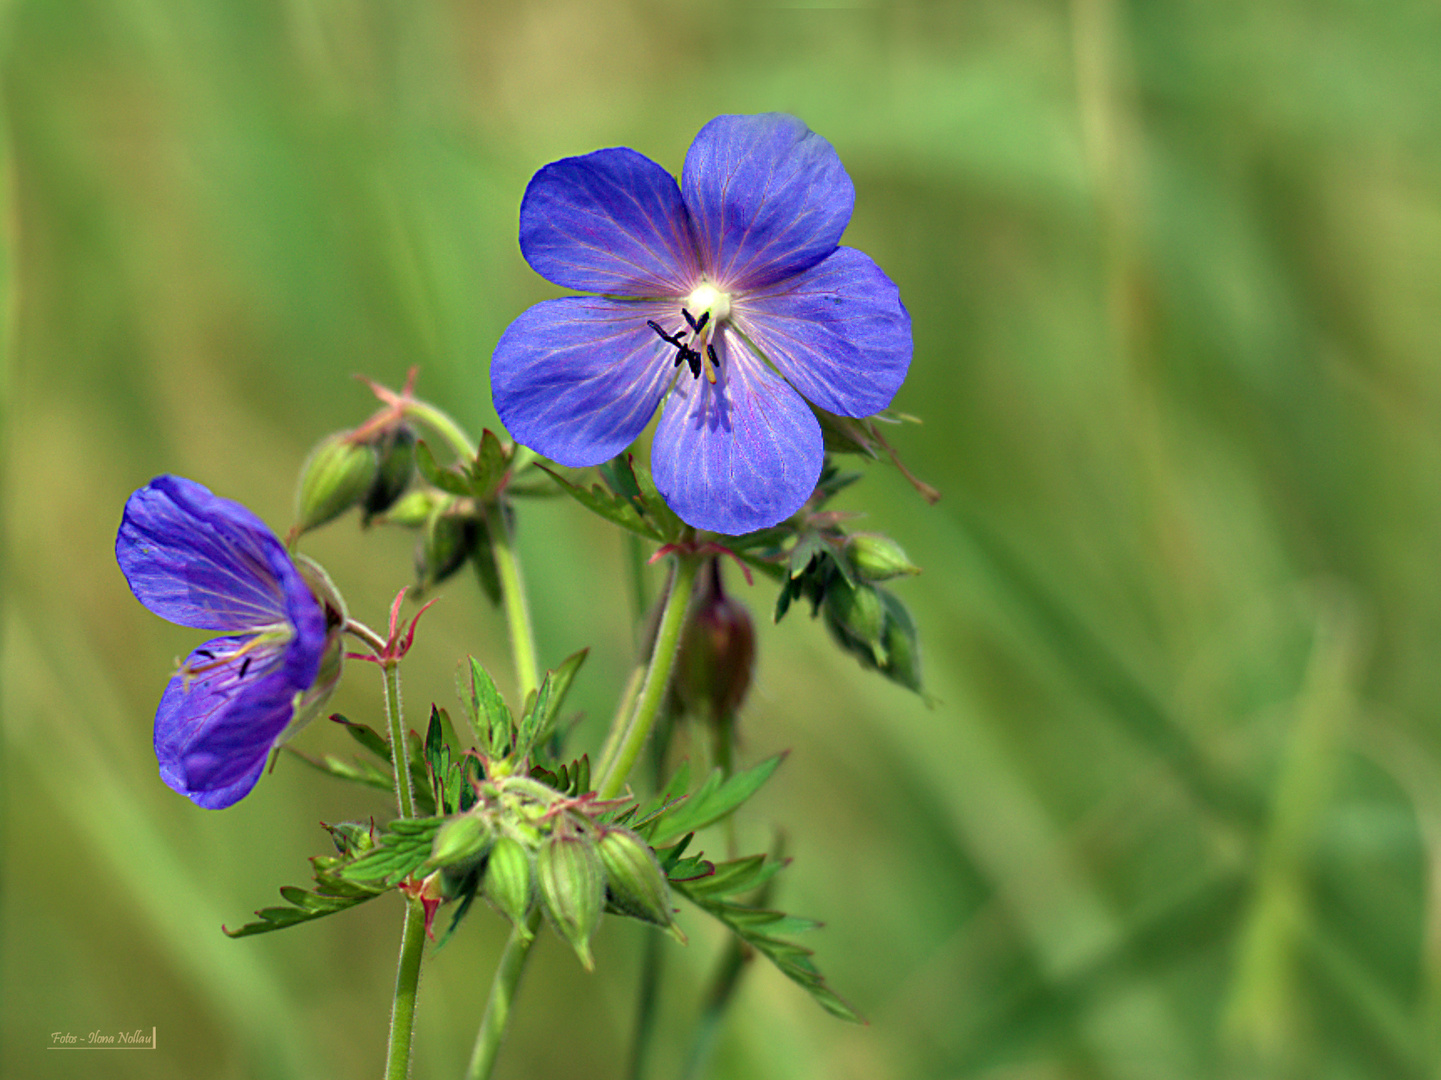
(706, 297)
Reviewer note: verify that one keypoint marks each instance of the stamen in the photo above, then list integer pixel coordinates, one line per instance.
(245, 666)
(695, 326)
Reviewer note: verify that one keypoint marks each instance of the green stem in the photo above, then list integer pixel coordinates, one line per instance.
(517, 610)
(652, 694)
(399, 751)
(502, 993)
(444, 426)
(407, 981)
(412, 936)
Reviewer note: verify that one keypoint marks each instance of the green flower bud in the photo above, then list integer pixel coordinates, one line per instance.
(572, 889)
(903, 647)
(878, 558)
(509, 880)
(415, 508)
(395, 450)
(459, 839)
(335, 477)
(857, 618)
(443, 548)
(635, 883)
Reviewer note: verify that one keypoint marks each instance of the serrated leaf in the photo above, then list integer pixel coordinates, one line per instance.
(539, 718)
(402, 848)
(312, 906)
(738, 875)
(606, 503)
(714, 800)
(810, 546)
(490, 716)
(758, 928)
(447, 480)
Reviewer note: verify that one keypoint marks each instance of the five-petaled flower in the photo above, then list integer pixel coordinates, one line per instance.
(728, 292)
(209, 563)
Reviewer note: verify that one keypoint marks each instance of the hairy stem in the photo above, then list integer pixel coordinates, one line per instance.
(407, 982)
(517, 609)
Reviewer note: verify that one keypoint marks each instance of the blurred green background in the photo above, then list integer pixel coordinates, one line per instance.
(1175, 271)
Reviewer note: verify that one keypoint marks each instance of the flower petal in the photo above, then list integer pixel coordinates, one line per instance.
(203, 561)
(838, 332)
(577, 379)
(609, 222)
(215, 728)
(739, 455)
(767, 196)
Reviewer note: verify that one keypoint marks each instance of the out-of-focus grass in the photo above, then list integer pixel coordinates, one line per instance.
(1175, 270)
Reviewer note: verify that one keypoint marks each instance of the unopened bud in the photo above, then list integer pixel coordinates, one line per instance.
(903, 647)
(395, 451)
(572, 889)
(509, 881)
(443, 547)
(459, 839)
(717, 651)
(335, 477)
(878, 558)
(858, 619)
(635, 883)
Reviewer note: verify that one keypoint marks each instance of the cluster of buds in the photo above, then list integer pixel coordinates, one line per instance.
(527, 844)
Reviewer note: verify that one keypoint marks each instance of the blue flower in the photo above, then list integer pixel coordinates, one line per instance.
(728, 293)
(209, 563)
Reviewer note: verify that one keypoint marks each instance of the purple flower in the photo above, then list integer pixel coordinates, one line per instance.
(728, 293)
(209, 563)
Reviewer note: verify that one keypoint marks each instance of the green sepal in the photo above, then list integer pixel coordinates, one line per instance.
(448, 480)
(712, 801)
(509, 881)
(571, 881)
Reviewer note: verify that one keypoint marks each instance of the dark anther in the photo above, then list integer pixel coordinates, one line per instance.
(691, 319)
(704, 318)
(205, 653)
(710, 351)
(245, 666)
(693, 359)
(669, 339)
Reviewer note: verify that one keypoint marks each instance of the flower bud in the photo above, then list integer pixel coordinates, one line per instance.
(717, 651)
(572, 889)
(337, 475)
(460, 839)
(395, 451)
(857, 618)
(415, 508)
(903, 648)
(635, 883)
(443, 548)
(878, 558)
(509, 881)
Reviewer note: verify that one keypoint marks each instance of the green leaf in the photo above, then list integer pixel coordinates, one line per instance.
(713, 800)
(609, 505)
(539, 719)
(736, 876)
(489, 715)
(367, 737)
(401, 849)
(360, 772)
(759, 927)
(482, 557)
